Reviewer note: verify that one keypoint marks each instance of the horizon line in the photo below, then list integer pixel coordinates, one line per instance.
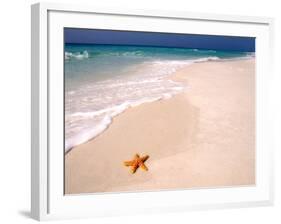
(140, 45)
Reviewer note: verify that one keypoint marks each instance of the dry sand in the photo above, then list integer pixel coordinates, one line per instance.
(204, 137)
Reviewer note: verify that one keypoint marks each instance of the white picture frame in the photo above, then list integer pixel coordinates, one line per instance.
(47, 198)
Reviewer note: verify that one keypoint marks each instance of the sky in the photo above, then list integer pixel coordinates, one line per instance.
(114, 37)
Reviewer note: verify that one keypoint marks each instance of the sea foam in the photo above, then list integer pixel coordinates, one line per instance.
(90, 110)
(78, 55)
(103, 82)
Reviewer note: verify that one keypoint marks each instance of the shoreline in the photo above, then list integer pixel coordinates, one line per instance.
(187, 141)
(171, 77)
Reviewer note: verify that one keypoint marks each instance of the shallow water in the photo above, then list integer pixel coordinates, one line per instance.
(102, 81)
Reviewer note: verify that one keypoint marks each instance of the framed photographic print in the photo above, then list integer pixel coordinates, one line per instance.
(148, 111)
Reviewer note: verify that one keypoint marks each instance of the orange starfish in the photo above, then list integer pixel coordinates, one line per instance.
(137, 162)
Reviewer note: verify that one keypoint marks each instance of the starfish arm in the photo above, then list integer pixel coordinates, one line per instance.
(129, 163)
(144, 158)
(134, 167)
(144, 167)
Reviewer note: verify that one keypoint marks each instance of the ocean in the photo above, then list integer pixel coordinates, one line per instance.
(102, 81)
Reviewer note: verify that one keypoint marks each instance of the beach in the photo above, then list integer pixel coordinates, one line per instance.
(201, 137)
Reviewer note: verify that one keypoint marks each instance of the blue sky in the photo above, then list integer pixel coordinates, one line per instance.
(93, 36)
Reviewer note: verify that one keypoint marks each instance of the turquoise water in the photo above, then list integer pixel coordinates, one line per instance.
(102, 81)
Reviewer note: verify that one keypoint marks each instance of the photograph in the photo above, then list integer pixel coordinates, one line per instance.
(152, 111)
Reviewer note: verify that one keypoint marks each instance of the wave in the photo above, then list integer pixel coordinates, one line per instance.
(90, 109)
(250, 54)
(214, 58)
(86, 135)
(108, 115)
(126, 53)
(86, 54)
(77, 55)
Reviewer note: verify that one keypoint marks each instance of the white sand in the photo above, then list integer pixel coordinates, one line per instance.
(203, 137)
